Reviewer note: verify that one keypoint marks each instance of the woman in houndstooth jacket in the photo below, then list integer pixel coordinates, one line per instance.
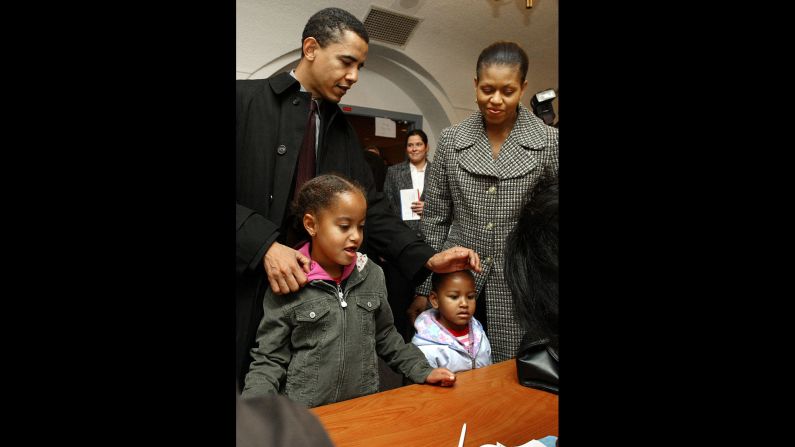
(484, 171)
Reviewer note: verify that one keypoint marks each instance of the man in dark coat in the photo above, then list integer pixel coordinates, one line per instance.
(372, 155)
(270, 122)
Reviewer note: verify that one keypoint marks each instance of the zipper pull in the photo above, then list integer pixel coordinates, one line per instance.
(342, 297)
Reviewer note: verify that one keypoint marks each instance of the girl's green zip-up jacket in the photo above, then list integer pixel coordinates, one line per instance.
(320, 345)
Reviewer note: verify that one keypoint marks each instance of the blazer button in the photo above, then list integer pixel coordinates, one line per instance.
(311, 315)
(281, 150)
(296, 101)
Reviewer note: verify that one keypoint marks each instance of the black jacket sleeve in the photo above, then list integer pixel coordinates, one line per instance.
(254, 235)
(394, 240)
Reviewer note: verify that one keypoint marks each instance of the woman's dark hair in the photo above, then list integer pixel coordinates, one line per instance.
(327, 26)
(531, 265)
(419, 133)
(503, 53)
(319, 193)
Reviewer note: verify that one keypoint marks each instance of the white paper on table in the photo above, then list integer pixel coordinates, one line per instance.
(385, 127)
(406, 197)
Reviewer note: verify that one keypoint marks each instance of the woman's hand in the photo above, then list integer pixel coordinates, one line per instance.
(417, 207)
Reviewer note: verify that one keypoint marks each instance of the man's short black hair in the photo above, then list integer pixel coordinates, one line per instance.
(327, 26)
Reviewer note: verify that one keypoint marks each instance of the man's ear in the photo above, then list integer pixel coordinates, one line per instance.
(434, 300)
(309, 47)
(310, 224)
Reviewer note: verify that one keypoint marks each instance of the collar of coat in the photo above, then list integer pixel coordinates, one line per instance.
(518, 155)
(355, 272)
(316, 271)
(284, 82)
(528, 131)
(281, 82)
(406, 166)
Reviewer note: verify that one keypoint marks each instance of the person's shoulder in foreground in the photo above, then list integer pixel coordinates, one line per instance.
(276, 421)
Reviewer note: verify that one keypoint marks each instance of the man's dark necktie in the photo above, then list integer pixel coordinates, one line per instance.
(306, 158)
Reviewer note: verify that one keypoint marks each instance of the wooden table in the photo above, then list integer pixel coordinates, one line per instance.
(490, 400)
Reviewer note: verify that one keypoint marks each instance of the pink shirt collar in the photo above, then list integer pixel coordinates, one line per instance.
(317, 272)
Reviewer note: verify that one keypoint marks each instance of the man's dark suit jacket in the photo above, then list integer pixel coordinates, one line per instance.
(270, 120)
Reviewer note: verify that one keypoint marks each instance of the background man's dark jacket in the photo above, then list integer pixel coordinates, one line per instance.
(270, 120)
(378, 167)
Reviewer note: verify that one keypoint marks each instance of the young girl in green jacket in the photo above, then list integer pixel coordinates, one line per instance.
(322, 343)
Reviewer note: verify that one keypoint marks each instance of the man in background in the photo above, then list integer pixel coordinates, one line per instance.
(377, 165)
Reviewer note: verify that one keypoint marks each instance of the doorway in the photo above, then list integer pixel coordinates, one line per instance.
(393, 150)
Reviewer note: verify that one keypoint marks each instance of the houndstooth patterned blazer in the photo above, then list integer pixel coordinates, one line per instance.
(474, 201)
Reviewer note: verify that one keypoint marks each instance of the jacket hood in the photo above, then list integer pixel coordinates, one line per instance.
(317, 272)
(431, 332)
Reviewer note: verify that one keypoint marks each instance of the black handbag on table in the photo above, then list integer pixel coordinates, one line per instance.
(537, 366)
